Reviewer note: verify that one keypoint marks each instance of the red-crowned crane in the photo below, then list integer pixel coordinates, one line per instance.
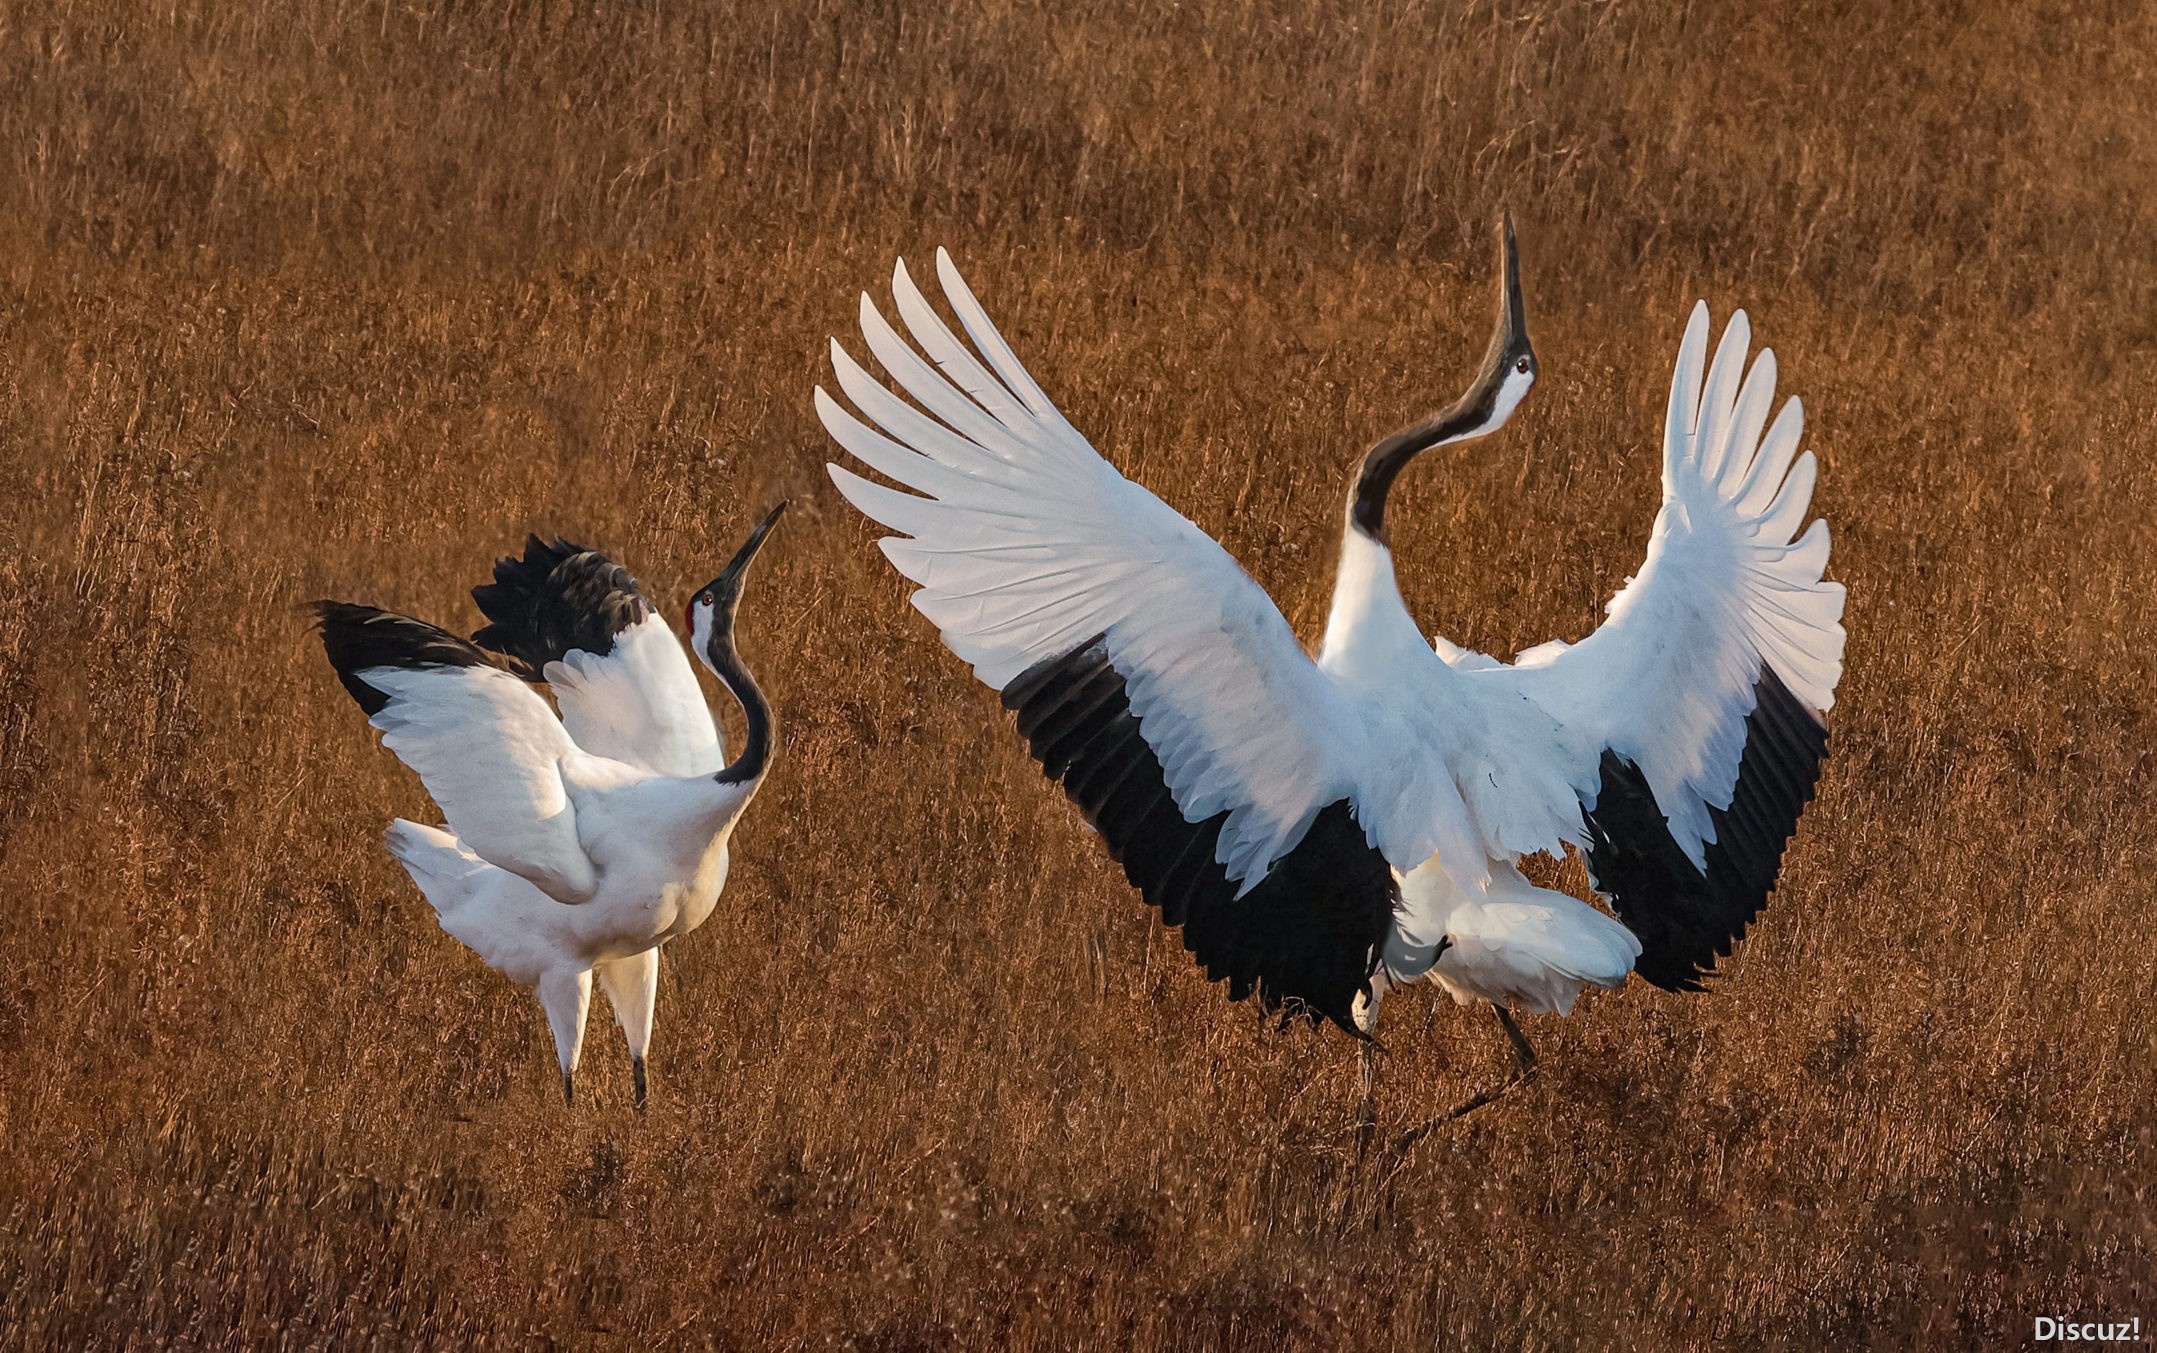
(1326, 828)
(575, 846)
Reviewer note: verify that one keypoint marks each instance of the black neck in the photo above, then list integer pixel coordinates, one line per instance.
(1472, 415)
(755, 756)
(1367, 506)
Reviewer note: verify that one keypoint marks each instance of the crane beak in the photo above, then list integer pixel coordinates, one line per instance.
(731, 575)
(1509, 345)
(724, 591)
(1513, 320)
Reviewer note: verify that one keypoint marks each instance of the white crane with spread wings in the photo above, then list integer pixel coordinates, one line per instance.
(576, 845)
(1324, 828)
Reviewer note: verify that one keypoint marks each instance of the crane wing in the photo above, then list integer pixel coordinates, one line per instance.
(485, 744)
(1702, 697)
(1150, 674)
(578, 621)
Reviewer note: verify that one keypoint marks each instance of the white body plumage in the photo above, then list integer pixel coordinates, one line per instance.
(1674, 746)
(575, 846)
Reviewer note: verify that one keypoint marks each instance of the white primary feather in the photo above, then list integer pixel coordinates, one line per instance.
(1667, 680)
(1026, 544)
(640, 703)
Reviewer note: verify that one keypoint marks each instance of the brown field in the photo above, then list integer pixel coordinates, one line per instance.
(342, 298)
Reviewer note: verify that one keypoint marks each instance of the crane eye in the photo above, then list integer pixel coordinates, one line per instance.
(705, 599)
(1521, 366)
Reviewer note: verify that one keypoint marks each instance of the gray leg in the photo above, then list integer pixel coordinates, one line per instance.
(566, 996)
(632, 987)
(1523, 1068)
(1367, 1107)
(1523, 1054)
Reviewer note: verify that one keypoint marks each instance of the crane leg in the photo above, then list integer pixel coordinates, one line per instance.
(1523, 1068)
(1367, 1106)
(1523, 1053)
(632, 987)
(566, 996)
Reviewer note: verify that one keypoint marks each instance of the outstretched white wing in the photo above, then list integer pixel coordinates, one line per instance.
(577, 620)
(1027, 545)
(489, 750)
(1703, 694)
(1150, 675)
(1729, 589)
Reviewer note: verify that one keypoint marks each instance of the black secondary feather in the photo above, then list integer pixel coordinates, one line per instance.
(559, 597)
(1687, 918)
(1305, 941)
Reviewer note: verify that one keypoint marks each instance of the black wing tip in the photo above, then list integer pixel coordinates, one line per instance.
(520, 580)
(358, 638)
(1022, 688)
(1681, 976)
(330, 613)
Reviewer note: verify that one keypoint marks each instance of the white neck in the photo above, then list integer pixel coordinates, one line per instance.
(1369, 631)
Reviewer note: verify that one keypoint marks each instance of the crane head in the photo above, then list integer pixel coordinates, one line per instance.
(711, 610)
(1507, 374)
(1509, 367)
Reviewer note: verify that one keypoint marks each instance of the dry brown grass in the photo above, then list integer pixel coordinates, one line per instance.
(345, 300)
